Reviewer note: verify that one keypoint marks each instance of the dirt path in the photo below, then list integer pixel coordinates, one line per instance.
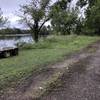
(80, 80)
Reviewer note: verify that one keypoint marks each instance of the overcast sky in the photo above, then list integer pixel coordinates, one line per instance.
(9, 8)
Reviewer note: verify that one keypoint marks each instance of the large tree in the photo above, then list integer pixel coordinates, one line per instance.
(64, 18)
(35, 15)
(92, 15)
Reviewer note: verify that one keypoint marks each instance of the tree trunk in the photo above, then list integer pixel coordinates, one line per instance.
(36, 36)
(36, 32)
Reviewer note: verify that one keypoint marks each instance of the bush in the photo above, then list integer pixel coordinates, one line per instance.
(40, 45)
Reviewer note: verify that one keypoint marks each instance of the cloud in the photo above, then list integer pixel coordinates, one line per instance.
(13, 19)
(9, 8)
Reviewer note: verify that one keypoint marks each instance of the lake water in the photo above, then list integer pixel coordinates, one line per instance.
(12, 41)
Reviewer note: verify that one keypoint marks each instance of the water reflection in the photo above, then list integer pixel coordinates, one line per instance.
(15, 40)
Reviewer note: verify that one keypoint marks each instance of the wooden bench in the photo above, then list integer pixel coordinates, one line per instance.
(7, 52)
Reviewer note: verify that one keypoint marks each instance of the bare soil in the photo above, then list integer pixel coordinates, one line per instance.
(80, 79)
(82, 82)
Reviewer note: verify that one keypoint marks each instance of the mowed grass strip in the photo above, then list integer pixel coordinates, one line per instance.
(33, 57)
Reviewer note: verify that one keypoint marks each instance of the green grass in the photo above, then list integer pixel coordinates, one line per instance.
(33, 57)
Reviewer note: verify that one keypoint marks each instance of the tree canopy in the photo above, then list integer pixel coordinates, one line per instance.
(38, 12)
(64, 17)
(92, 16)
(35, 15)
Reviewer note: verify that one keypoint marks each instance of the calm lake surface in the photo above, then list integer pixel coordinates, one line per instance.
(15, 40)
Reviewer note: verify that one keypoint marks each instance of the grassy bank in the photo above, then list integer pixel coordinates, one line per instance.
(33, 57)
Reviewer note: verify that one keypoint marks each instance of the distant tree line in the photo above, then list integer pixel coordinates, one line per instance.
(13, 31)
(9, 31)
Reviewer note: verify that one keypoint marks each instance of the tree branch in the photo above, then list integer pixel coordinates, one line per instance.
(43, 23)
